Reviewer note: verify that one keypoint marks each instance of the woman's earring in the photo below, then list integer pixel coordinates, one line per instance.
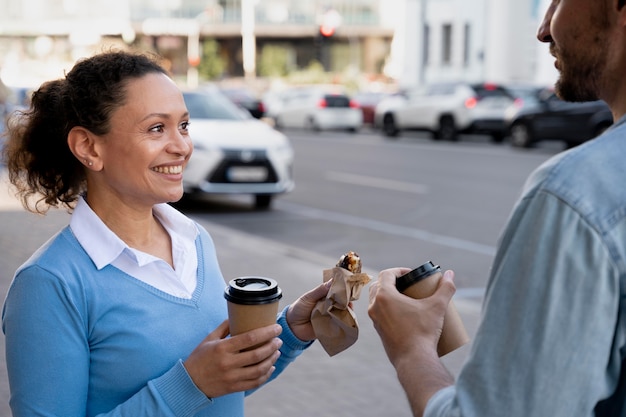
(88, 162)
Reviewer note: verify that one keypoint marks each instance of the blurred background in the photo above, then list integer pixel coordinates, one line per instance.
(379, 126)
(363, 44)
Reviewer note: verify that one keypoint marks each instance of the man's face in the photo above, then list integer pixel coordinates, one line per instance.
(578, 36)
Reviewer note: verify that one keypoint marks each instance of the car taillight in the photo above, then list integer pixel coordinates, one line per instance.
(322, 103)
(261, 107)
(470, 103)
(354, 104)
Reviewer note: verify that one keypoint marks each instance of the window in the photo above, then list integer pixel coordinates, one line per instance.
(425, 48)
(466, 44)
(446, 37)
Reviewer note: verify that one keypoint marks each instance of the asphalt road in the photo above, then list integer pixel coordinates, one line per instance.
(396, 203)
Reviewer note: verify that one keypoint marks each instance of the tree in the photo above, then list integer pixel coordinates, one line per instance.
(273, 61)
(212, 64)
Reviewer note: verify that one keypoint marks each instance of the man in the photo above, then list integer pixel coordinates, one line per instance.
(552, 339)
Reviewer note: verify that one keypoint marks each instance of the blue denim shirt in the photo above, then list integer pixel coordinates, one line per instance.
(552, 338)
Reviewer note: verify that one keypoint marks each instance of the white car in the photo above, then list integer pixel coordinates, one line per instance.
(234, 153)
(447, 109)
(317, 109)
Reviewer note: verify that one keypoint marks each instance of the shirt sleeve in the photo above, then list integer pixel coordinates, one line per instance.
(549, 319)
(47, 355)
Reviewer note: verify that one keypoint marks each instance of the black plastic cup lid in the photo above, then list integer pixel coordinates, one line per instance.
(252, 290)
(416, 275)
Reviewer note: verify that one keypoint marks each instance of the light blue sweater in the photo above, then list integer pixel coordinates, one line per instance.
(83, 342)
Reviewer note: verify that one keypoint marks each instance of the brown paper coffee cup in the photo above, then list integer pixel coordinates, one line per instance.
(252, 303)
(421, 283)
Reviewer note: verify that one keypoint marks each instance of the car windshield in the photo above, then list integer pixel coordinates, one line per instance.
(212, 105)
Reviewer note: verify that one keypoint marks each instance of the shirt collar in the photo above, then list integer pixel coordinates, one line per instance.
(103, 246)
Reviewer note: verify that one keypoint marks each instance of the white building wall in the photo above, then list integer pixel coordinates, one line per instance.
(544, 72)
(405, 58)
(502, 47)
(511, 42)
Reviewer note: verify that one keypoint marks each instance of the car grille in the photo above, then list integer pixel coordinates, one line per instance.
(242, 158)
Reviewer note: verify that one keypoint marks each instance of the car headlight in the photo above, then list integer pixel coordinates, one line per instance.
(284, 150)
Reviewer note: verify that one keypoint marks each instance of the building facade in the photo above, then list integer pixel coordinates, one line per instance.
(411, 41)
(478, 40)
(49, 34)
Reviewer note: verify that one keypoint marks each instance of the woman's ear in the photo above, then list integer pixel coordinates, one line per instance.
(82, 144)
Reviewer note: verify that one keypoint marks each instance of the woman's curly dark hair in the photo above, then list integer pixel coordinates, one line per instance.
(38, 158)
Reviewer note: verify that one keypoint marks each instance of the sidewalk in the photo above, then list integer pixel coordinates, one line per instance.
(359, 381)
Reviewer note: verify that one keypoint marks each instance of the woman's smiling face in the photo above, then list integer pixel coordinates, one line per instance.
(147, 148)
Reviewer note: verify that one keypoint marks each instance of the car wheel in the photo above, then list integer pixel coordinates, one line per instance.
(389, 126)
(447, 129)
(521, 135)
(312, 124)
(497, 137)
(262, 201)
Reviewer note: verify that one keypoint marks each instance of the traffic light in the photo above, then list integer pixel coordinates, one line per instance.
(329, 22)
(326, 31)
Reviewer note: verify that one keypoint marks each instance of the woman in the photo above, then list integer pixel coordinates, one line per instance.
(111, 316)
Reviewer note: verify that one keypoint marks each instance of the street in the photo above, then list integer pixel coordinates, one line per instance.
(396, 203)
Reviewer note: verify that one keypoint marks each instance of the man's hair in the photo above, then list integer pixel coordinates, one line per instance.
(620, 3)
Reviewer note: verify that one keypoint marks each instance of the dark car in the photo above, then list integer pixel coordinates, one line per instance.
(245, 99)
(551, 118)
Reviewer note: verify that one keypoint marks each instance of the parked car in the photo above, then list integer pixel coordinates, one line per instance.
(245, 99)
(554, 119)
(446, 110)
(367, 102)
(317, 109)
(234, 153)
(527, 96)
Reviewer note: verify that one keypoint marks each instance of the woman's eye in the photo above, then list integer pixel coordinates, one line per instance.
(158, 128)
(184, 126)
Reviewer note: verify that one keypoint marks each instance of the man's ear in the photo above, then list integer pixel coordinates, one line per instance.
(82, 144)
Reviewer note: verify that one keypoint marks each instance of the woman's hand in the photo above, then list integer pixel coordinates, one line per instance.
(299, 313)
(220, 365)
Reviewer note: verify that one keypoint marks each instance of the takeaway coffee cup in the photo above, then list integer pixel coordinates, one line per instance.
(421, 283)
(252, 303)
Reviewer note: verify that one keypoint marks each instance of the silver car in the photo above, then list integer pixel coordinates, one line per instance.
(317, 108)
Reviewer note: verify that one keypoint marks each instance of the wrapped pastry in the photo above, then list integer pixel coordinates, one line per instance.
(333, 319)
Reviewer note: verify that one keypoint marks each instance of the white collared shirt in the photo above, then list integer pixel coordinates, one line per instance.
(104, 247)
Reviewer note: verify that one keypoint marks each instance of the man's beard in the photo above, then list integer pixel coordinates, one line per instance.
(579, 73)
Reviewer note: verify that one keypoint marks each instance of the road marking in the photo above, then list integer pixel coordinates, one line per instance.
(392, 229)
(232, 239)
(385, 184)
